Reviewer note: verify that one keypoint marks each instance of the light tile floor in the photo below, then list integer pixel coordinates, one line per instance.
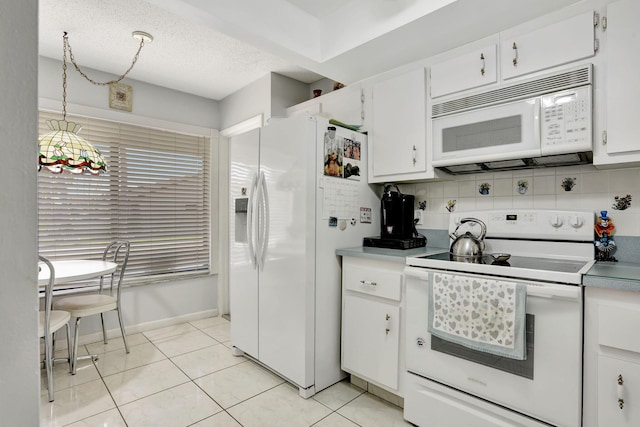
(185, 375)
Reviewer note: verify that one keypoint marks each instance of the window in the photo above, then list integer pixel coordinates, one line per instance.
(156, 194)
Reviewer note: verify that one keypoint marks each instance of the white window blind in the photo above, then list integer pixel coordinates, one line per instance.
(155, 194)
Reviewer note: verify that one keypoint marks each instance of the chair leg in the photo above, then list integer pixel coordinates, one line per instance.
(49, 363)
(104, 331)
(74, 359)
(53, 346)
(69, 347)
(124, 335)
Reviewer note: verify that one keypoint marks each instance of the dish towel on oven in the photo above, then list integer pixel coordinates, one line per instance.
(482, 314)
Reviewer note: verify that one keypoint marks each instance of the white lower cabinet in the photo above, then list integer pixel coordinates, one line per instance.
(618, 391)
(372, 328)
(371, 339)
(612, 358)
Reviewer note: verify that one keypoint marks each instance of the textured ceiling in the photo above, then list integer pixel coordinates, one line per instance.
(212, 48)
(184, 55)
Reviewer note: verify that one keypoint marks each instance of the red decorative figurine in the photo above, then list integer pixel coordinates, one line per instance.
(604, 242)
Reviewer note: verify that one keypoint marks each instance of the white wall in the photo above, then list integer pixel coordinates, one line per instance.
(286, 92)
(19, 370)
(148, 100)
(269, 96)
(153, 106)
(250, 101)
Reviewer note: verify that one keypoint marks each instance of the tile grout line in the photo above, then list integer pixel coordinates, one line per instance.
(107, 387)
(193, 381)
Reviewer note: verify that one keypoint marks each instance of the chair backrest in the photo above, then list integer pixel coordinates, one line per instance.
(118, 252)
(48, 292)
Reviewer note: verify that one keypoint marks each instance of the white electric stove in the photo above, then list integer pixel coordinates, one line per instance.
(451, 385)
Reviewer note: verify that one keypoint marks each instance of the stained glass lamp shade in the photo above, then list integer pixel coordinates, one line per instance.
(63, 150)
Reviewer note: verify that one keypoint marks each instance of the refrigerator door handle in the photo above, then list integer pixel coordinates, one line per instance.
(264, 225)
(260, 215)
(250, 211)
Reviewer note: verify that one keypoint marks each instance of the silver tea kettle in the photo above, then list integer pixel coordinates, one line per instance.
(468, 245)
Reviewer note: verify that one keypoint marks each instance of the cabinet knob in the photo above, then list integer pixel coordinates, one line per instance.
(515, 54)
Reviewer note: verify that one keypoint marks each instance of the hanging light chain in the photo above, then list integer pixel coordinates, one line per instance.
(73, 61)
(64, 77)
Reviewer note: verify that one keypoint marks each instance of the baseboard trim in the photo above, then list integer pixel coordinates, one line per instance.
(147, 326)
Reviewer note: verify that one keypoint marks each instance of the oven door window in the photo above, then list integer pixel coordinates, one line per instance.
(522, 368)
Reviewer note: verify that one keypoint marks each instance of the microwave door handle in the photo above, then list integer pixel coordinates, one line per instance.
(537, 122)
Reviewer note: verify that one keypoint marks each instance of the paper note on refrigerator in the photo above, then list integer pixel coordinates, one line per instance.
(340, 198)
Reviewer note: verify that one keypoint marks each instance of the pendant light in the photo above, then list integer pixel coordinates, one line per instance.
(62, 149)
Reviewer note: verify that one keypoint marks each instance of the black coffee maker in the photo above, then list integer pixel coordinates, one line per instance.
(397, 227)
(396, 213)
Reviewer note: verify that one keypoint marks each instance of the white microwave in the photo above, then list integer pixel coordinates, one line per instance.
(543, 130)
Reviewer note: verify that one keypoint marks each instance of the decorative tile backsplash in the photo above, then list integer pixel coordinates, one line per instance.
(563, 188)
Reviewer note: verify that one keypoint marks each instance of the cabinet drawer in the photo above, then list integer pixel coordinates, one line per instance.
(372, 281)
(617, 326)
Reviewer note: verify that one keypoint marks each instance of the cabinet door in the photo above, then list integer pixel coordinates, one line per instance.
(618, 392)
(371, 339)
(398, 135)
(556, 44)
(622, 83)
(471, 70)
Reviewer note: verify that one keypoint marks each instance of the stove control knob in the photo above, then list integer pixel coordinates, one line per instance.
(576, 221)
(556, 221)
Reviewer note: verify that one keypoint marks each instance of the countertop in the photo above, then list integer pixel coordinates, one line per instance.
(389, 255)
(623, 276)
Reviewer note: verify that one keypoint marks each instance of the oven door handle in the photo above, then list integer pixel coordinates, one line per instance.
(566, 292)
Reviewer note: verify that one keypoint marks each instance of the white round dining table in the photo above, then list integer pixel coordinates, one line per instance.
(74, 270)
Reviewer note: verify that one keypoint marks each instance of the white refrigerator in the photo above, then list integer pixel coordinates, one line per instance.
(298, 191)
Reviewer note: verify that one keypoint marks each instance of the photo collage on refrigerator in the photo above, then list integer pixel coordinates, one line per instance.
(341, 156)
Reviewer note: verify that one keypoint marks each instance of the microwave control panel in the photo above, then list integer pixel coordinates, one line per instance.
(566, 121)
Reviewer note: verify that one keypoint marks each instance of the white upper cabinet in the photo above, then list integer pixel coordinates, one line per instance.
(557, 44)
(520, 53)
(619, 142)
(397, 136)
(467, 71)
